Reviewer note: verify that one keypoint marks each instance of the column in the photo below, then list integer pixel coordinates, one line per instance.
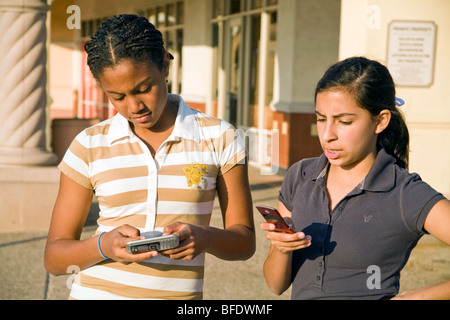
(23, 79)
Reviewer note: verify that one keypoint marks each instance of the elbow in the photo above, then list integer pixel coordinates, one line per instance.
(246, 247)
(250, 248)
(277, 290)
(247, 254)
(56, 271)
(51, 265)
(50, 268)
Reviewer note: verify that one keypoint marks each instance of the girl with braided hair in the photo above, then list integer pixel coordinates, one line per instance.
(155, 168)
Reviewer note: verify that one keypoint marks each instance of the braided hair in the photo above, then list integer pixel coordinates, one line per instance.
(372, 87)
(125, 36)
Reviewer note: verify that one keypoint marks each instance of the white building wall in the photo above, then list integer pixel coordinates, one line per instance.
(364, 31)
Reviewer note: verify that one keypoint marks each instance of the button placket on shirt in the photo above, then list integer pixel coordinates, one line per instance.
(328, 220)
(152, 186)
(321, 259)
(154, 165)
(320, 242)
(325, 239)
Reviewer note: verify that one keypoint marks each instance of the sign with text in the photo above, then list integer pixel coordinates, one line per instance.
(410, 56)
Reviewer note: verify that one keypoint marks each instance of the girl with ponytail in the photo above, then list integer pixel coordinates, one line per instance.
(357, 211)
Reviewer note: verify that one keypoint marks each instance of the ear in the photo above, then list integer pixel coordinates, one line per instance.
(166, 63)
(382, 120)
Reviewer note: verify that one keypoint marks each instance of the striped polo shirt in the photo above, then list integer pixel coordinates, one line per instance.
(149, 193)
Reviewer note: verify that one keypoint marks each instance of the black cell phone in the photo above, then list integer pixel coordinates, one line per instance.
(273, 216)
(158, 243)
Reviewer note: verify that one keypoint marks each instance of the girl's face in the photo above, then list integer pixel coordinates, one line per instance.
(138, 91)
(348, 133)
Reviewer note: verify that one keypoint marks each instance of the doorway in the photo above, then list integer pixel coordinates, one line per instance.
(234, 53)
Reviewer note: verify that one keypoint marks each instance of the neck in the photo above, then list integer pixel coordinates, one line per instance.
(354, 173)
(164, 124)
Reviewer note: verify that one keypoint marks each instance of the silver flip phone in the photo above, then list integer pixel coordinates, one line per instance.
(156, 243)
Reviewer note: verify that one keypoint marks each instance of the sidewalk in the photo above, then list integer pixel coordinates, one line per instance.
(22, 274)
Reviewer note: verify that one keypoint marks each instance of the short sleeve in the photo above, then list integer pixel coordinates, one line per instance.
(416, 200)
(231, 149)
(75, 162)
(287, 187)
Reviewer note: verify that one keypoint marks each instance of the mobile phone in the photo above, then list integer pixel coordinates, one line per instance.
(273, 216)
(157, 243)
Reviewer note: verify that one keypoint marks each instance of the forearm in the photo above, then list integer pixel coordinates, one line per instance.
(234, 243)
(439, 291)
(277, 270)
(62, 253)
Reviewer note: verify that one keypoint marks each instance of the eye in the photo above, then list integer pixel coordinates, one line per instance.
(118, 98)
(346, 123)
(320, 119)
(144, 90)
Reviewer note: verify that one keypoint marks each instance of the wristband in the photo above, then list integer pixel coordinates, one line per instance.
(98, 245)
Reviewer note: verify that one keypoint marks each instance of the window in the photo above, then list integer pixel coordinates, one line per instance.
(93, 102)
(237, 38)
(169, 19)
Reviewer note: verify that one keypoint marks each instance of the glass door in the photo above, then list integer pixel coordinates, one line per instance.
(233, 64)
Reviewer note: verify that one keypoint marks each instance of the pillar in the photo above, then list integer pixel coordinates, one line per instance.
(28, 179)
(307, 43)
(23, 78)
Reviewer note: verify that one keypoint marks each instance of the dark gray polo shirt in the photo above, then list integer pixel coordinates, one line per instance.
(358, 249)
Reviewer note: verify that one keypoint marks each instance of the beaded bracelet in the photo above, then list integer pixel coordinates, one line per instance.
(98, 245)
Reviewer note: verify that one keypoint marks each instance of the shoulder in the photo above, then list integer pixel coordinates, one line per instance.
(405, 179)
(308, 168)
(218, 130)
(303, 171)
(194, 124)
(412, 188)
(210, 122)
(96, 132)
(416, 198)
(299, 176)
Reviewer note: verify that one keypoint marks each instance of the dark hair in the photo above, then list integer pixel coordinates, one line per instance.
(124, 36)
(373, 89)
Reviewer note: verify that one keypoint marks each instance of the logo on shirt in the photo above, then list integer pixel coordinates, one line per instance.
(367, 218)
(195, 176)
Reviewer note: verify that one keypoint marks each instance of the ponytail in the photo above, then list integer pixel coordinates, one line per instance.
(395, 139)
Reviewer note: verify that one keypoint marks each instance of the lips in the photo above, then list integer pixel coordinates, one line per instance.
(332, 153)
(142, 118)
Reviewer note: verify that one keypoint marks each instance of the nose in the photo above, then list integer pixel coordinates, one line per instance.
(329, 132)
(135, 105)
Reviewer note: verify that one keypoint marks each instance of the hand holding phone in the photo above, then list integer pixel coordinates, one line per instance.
(271, 215)
(154, 241)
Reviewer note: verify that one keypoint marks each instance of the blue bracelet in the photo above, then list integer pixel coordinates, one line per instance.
(98, 245)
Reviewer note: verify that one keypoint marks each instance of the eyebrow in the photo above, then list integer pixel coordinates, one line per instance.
(339, 115)
(135, 88)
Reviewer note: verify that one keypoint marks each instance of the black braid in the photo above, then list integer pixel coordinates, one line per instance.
(124, 37)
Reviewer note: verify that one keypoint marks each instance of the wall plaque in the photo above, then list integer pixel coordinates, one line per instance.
(410, 56)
